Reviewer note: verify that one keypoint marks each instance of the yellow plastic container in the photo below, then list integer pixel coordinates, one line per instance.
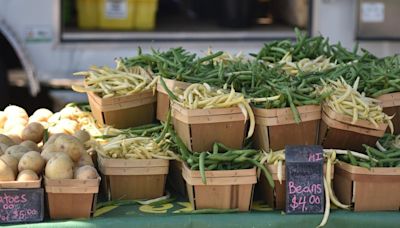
(87, 14)
(145, 14)
(117, 14)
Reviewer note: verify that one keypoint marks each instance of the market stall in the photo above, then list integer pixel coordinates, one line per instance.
(278, 137)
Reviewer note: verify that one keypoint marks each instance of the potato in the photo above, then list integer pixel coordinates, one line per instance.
(15, 111)
(32, 161)
(54, 130)
(54, 118)
(17, 151)
(68, 126)
(49, 151)
(3, 148)
(6, 172)
(69, 113)
(85, 159)
(13, 122)
(27, 175)
(6, 140)
(33, 131)
(3, 119)
(31, 145)
(82, 135)
(51, 140)
(15, 133)
(42, 114)
(70, 145)
(59, 167)
(85, 172)
(11, 162)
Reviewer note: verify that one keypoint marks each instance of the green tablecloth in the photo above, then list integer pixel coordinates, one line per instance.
(261, 216)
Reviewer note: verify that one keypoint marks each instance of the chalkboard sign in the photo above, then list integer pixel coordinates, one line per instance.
(21, 205)
(304, 179)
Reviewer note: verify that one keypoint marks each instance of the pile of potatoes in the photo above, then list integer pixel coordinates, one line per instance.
(20, 162)
(16, 124)
(67, 158)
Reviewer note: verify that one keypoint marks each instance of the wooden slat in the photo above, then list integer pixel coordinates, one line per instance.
(21, 184)
(162, 106)
(336, 124)
(220, 180)
(72, 186)
(134, 171)
(203, 136)
(123, 100)
(348, 119)
(208, 119)
(390, 97)
(219, 173)
(276, 112)
(72, 182)
(136, 186)
(132, 163)
(287, 119)
(205, 112)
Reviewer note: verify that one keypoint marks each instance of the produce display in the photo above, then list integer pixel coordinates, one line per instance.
(202, 96)
(67, 158)
(385, 154)
(283, 77)
(20, 162)
(345, 99)
(109, 82)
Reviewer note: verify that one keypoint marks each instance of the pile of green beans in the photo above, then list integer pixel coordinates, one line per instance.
(257, 79)
(221, 158)
(386, 154)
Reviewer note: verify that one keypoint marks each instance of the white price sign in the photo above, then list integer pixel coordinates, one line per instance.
(372, 12)
(116, 9)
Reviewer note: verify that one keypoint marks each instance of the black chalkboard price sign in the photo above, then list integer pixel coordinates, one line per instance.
(304, 179)
(21, 205)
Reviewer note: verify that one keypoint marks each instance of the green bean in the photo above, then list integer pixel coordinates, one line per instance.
(202, 168)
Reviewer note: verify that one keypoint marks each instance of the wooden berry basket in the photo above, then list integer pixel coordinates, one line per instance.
(133, 178)
(337, 131)
(123, 111)
(71, 198)
(375, 189)
(275, 197)
(201, 128)
(391, 106)
(225, 189)
(163, 102)
(276, 128)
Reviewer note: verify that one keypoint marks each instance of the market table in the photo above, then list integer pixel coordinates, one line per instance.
(167, 215)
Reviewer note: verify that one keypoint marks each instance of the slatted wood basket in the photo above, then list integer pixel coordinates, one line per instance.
(225, 189)
(133, 178)
(337, 131)
(375, 189)
(124, 111)
(391, 106)
(275, 197)
(201, 128)
(163, 102)
(71, 198)
(276, 128)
